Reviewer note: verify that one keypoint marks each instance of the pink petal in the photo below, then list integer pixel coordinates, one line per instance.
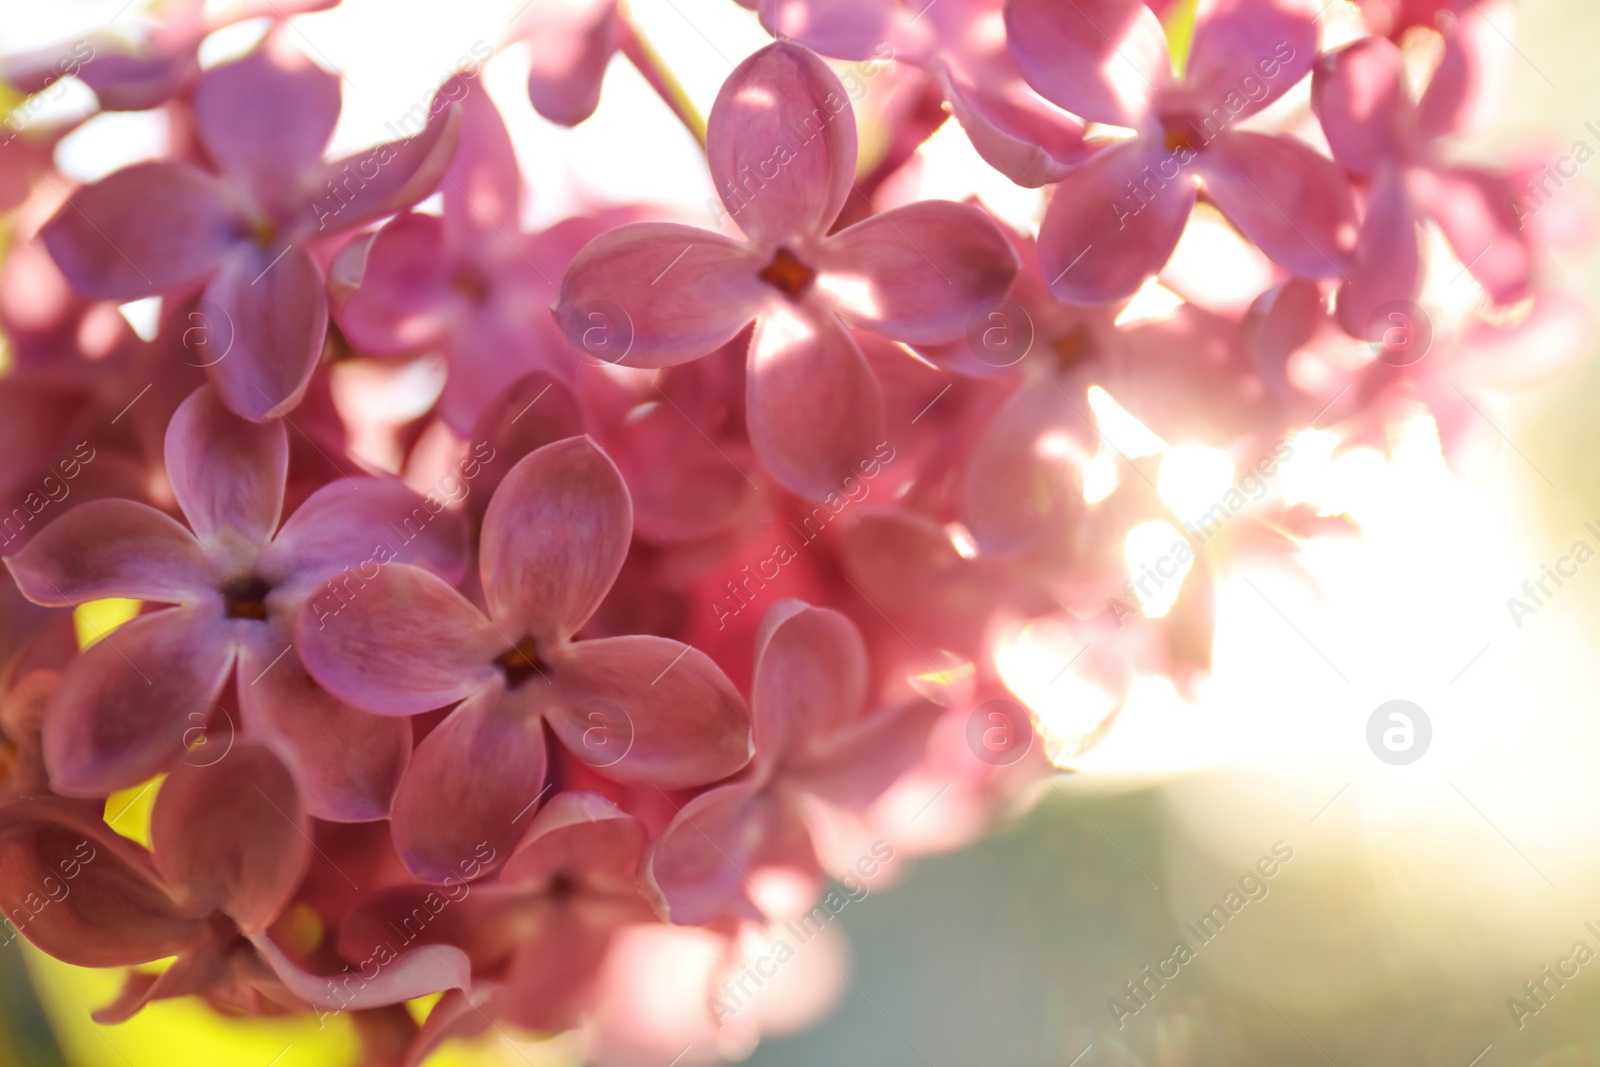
(1102, 60)
(1247, 53)
(840, 31)
(781, 143)
(349, 522)
(812, 403)
(478, 919)
(107, 548)
(551, 980)
(81, 892)
(682, 723)
(463, 800)
(1388, 265)
(696, 869)
(483, 187)
(1099, 242)
(570, 45)
(1023, 478)
(810, 678)
(266, 119)
(579, 835)
(409, 975)
(533, 411)
(1294, 204)
(918, 273)
(346, 763)
(399, 642)
(142, 230)
(1473, 78)
(554, 538)
(276, 306)
(401, 302)
(860, 763)
(231, 836)
(125, 706)
(1360, 98)
(1477, 212)
(228, 474)
(1032, 144)
(652, 294)
(382, 180)
(1554, 338)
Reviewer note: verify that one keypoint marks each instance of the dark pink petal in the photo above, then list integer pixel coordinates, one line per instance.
(583, 836)
(1388, 265)
(81, 892)
(231, 836)
(554, 538)
(483, 187)
(463, 801)
(1102, 60)
(474, 918)
(401, 303)
(570, 45)
(696, 869)
(810, 678)
(551, 980)
(1294, 204)
(682, 720)
(781, 143)
(266, 119)
(349, 522)
(1247, 53)
(652, 294)
(227, 473)
(142, 230)
(1359, 95)
(125, 706)
(400, 642)
(411, 974)
(107, 548)
(813, 405)
(384, 179)
(346, 763)
(276, 305)
(1099, 241)
(1478, 214)
(1032, 144)
(919, 272)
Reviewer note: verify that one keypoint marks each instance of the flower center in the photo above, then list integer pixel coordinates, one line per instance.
(246, 598)
(1181, 135)
(520, 663)
(470, 284)
(787, 274)
(264, 232)
(1072, 347)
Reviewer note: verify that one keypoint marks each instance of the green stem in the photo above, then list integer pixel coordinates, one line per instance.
(655, 70)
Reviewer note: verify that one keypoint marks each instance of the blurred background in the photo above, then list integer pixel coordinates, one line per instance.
(1407, 904)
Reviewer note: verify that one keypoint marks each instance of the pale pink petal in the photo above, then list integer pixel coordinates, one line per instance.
(346, 763)
(1388, 265)
(382, 180)
(1477, 212)
(570, 45)
(399, 642)
(813, 405)
(554, 538)
(1473, 79)
(464, 800)
(1247, 53)
(107, 548)
(231, 836)
(677, 718)
(918, 273)
(1292, 203)
(1556, 335)
(227, 474)
(1359, 95)
(652, 294)
(401, 302)
(1032, 144)
(110, 908)
(276, 305)
(1023, 478)
(348, 522)
(810, 678)
(781, 143)
(839, 31)
(483, 187)
(1100, 239)
(1102, 60)
(583, 836)
(858, 764)
(696, 869)
(266, 119)
(142, 230)
(411, 974)
(534, 411)
(125, 706)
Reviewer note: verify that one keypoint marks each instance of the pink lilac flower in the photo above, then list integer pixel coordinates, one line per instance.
(246, 231)
(1115, 219)
(781, 142)
(129, 706)
(554, 538)
(230, 847)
